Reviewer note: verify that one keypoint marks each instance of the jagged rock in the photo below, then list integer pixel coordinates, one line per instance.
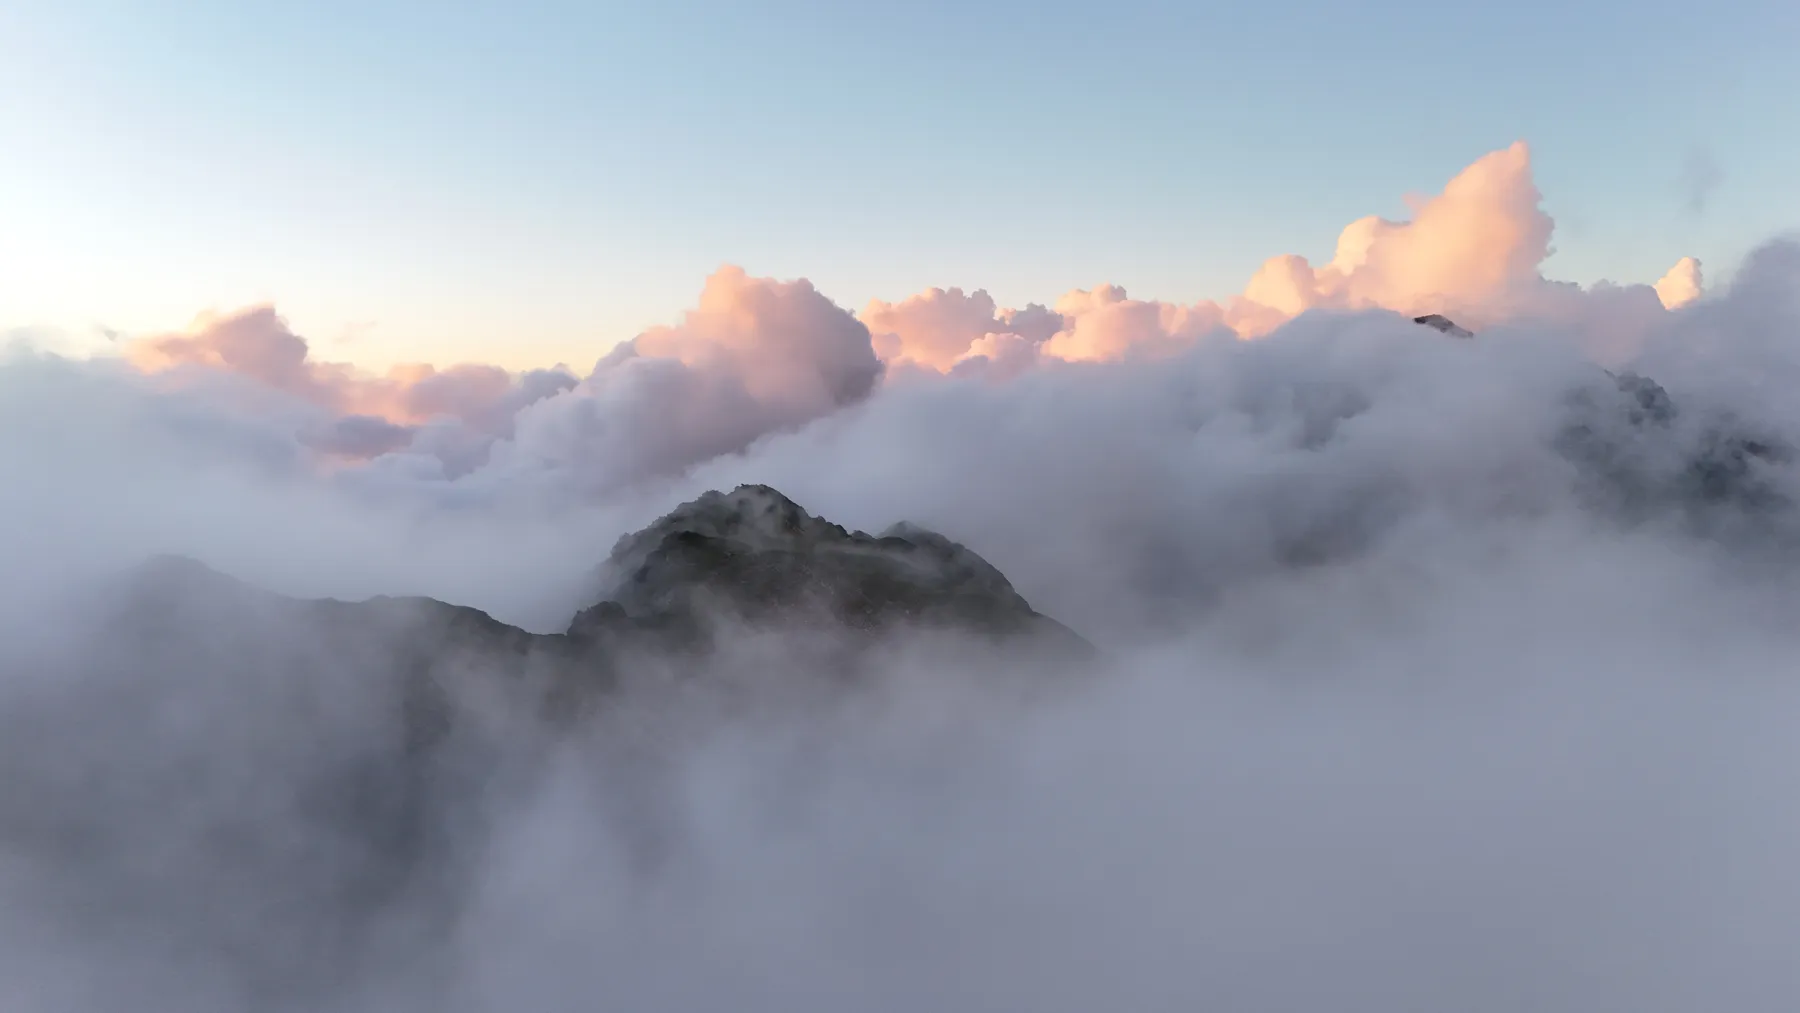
(752, 557)
(1639, 455)
(755, 555)
(319, 763)
(1444, 324)
(1636, 457)
(404, 670)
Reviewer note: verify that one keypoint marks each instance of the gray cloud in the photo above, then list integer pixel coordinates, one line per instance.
(1395, 715)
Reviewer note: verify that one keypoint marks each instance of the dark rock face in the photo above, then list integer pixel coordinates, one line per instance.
(320, 765)
(755, 556)
(751, 558)
(1638, 456)
(1444, 324)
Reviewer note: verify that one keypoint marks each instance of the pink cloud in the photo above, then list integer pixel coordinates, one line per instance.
(1472, 252)
(939, 327)
(253, 342)
(374, 414)
(757, 356)
(784, 341)
(1105, 323)
(1682, 285)
(998, 356)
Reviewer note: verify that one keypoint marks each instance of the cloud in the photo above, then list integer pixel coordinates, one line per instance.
(358, 437)
(999, 356)
(788, 346)
(1105, 324)
(1737, 345)
(759, 356)
(1427, 669)
(1388, 695)
(1472, 252)
(257, 344)
(756, 357)
(1682, 285)
(938, 327)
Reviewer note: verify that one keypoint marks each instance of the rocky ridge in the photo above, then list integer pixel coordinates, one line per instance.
(750, 559)
(319, 762)
(1439, 322)
(1639, 455)
(754, 555)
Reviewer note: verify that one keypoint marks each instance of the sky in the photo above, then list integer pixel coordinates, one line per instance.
(531, 183)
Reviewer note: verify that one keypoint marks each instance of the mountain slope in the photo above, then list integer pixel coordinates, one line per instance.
(751, 559)
(1638, 455)
(755, 556)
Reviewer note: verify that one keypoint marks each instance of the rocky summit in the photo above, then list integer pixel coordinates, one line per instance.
(1443, 323)
(1638, 455)
(755, 556)
(377, 730)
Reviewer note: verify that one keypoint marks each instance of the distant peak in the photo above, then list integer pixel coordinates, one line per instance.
(168, 569)
(1444, 324)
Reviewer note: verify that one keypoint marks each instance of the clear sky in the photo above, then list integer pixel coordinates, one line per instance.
(529, 182)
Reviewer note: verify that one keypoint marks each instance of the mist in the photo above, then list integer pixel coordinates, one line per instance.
(1405, 701)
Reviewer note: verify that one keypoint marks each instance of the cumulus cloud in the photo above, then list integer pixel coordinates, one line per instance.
(1682, 285)
(1104, 323)
(756, 357)
(781, 353)
(1473, 252)
(999, 356)
(788, 346)
(254, 342)
(377, 413)
(939, 327)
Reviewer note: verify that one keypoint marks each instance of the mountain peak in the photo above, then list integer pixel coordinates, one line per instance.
(756, 554)
(1444, 324)
(754, 516)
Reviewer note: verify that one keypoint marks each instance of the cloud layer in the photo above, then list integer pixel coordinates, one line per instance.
(1435, 677)
(759, 356)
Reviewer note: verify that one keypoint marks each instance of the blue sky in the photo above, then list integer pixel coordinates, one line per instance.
(529, 182)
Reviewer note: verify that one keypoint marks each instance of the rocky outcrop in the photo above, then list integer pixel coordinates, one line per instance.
(1444, 324)
(320, 764)
(755, 556)
(751, 558)
(1638, 455)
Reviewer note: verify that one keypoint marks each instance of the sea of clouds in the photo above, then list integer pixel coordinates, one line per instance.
(1396, 713)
